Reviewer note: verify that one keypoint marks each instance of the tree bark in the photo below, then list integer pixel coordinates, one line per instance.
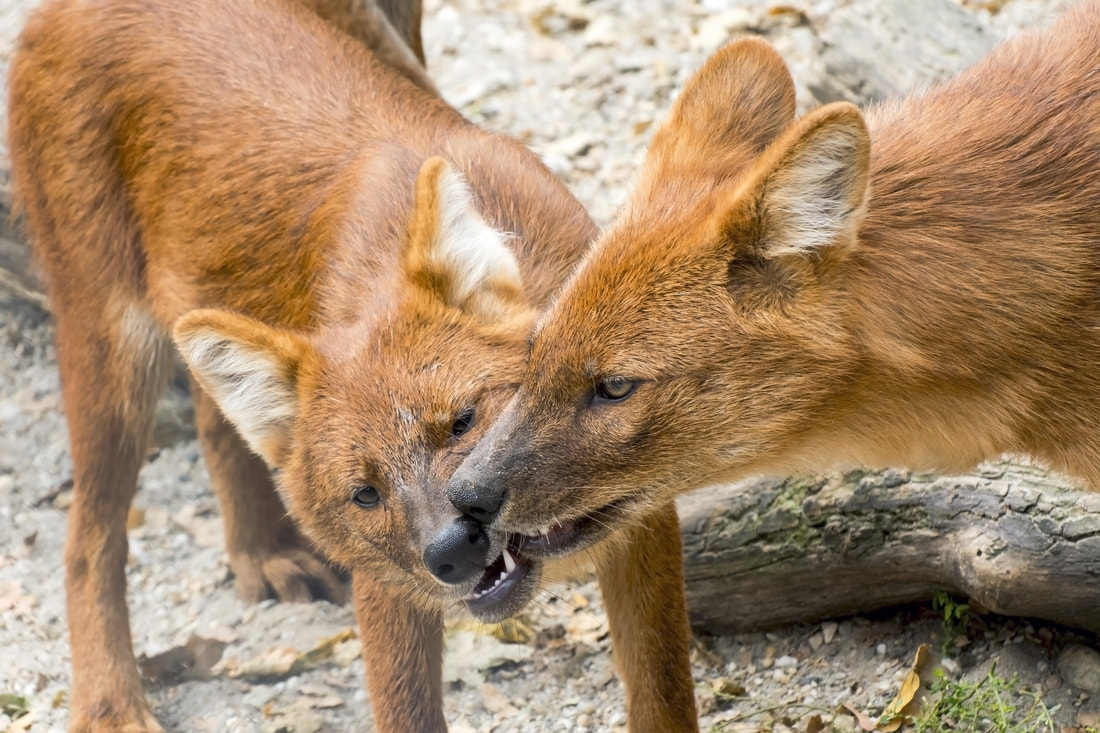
(1013, 539)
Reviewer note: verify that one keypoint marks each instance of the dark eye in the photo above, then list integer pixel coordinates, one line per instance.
(463, 422)
(613, 389)
(366, 497)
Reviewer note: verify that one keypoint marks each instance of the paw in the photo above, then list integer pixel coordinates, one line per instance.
(287, 573)
(104, 717)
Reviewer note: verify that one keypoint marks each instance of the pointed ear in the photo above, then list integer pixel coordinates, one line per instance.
(727, 113)
(797, 213)
(807, 191)
(251, 371)
(454, 254)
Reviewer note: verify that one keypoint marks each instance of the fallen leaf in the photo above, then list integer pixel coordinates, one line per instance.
(20, 724)
(14, 598)
(726, 686)
(270, 666)
(283, 662)
(512, 631)
(195, 660)
(862, 720)
(815, 724)
(586, 627)
(907, 703)
(469, 656)
(496, 702)
(14, 706)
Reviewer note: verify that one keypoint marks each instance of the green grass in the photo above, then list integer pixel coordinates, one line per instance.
(989, 705)
(992, 704)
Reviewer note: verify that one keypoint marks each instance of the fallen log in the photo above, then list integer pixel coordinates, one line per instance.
(1012, 538)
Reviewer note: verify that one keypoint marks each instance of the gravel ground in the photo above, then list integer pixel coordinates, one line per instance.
(583, 83)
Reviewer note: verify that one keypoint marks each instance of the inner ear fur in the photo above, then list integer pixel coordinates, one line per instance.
(455, 255)
(251, 370)
(798, 209)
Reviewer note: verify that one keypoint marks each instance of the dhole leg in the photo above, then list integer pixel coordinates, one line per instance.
(403, 653)
(269, 557)
(642, 580)
(112, 368)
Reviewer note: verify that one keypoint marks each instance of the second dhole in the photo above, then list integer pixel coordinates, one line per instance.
(917, 287)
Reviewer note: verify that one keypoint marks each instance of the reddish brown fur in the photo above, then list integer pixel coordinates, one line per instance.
(789, 295)
(254, 163)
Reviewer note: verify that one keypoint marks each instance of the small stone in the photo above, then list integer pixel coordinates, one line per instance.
(726, 686)
(829, 630)
(1080, 666)
(786, 662)
(817, 641)
(880, 650)
(950, 666)
(844, 723)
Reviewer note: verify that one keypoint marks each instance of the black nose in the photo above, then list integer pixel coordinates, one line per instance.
(477, 501)
(459, 552)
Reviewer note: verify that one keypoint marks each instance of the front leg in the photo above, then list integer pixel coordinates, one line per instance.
(403, 654)
(641, 574)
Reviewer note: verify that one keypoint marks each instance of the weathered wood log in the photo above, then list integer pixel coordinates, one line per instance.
(1013, 539)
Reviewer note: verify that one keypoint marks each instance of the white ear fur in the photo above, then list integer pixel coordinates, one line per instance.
(253, 387)
(814, 193)
(471, 252)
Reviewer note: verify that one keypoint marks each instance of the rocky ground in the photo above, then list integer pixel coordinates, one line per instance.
(583, 83)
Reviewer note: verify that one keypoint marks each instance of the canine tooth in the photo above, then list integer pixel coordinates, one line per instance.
(509, 563)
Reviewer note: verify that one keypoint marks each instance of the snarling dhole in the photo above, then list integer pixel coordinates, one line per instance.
(350, 270)
(918, 287)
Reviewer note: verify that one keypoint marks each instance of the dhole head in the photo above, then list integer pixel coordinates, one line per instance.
(704, 329)
(366, 420)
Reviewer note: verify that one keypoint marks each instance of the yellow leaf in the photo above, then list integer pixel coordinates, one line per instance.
(907, 703)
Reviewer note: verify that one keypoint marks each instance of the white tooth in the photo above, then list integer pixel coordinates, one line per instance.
(509, 563)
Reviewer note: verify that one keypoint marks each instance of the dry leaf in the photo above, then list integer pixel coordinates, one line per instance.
(14, 598)
(195, 660)
(726, 686)
(586, 627)
(815, 724)
(135, 518)
(862, 720)
(907, 703)
(512, 631)
(20, 724)
(496, 702)
(282, 662)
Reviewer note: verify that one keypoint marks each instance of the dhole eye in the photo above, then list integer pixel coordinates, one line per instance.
(613, 389)
(463, 422)
(366, 497)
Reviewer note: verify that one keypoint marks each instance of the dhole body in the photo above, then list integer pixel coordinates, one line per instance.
(919, 287)
(292, 210)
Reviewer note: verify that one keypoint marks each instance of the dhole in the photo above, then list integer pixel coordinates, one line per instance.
(918, 287)
(324, 239)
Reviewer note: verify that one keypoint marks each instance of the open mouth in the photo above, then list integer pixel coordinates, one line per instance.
(572, 535)
(503, 576)
(512, 578)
